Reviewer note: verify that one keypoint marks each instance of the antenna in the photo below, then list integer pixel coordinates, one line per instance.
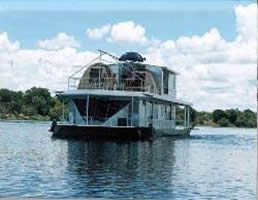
(109, 54)
(116, 58)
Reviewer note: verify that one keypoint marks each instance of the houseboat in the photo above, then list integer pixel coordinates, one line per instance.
(122, 97)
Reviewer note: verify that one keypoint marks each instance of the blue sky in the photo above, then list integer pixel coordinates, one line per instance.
(29, 21)
(212, 44)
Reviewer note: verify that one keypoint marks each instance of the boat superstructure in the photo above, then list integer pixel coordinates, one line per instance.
(122, 97)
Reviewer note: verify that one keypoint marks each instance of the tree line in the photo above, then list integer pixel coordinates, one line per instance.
(34, 104)
(227, 118)
(38, 104)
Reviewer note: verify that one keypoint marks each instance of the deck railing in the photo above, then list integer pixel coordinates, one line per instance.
(169, 124)
(157, 123)
(109, 83)
(92, 121)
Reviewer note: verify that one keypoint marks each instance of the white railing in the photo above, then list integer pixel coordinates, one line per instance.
(111, 122)
(169, 124)
(163, 124)
(108, 83)
(180, 123)
(91, 121)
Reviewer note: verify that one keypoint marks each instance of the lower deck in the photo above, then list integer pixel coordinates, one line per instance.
(107, 132)
(95, 115)
(127, 111)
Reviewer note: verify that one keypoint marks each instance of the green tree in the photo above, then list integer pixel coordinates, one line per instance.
(217, 115)
(249, 114)
(251, 123)
(28, 110)
(231, 115)
(240, 121)
(224, 122)
(203, 117)
(40, 99)
(10, 101)
(56, 111)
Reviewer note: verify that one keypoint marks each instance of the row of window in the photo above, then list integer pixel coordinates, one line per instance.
(160, 111)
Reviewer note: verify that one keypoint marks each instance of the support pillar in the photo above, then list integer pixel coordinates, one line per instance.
(175, 115)
(132, 111)
(188, 116)
(87, 110)
(185, 120)
(63, 111)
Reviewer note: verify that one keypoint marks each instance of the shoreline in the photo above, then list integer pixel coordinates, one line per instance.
(49, 122)
(26, 121)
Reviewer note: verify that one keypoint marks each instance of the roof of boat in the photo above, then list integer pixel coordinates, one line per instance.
(148, 65)
(164, 67)
(122, 94)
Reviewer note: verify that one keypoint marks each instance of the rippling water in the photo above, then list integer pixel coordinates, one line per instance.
(214, 163)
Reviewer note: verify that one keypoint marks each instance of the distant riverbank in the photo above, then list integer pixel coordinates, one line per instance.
(36, 104)
(227, 118)
(46, 120)
(21, 117)
(25, 121)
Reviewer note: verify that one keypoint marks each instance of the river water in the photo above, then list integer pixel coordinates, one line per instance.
(214, 163)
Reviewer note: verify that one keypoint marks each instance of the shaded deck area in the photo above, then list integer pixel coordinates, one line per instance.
(101, 132)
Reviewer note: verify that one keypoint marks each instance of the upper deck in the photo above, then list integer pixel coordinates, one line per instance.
(128, 73)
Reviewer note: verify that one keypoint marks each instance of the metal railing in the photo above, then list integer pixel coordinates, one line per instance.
(109, 83)
(180, 123)
(169, 124)
(109, 122)
(93, 121)
(163, 124)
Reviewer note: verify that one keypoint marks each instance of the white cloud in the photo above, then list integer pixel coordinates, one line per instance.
(128, 32)
(123, 32)
(42, 68)
(98, 33)
(214, 73)
(7, 45)
(210, 41)
(246, 19)
(61, 41)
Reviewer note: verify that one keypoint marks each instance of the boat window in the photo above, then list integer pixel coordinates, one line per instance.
(155, 111)
(165, 82)
(174, 82)
(168, 112)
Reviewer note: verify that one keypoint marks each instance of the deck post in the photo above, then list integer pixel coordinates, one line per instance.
(162, 84)
(132, 112)
(87, 110)
(99, 78)
(188, 116)
(63, 110)
(152, 111)
(175, 115)
(185, 116)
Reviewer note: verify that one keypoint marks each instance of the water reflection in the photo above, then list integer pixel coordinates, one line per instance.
(138, 167)
(214, 163)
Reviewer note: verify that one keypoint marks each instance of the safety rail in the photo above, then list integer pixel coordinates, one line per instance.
(163, 124)
(108, 83)
(180, 123)
(92, 121)
(170, 124)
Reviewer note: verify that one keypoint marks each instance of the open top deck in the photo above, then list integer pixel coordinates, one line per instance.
(124, 93)
(110, 73)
